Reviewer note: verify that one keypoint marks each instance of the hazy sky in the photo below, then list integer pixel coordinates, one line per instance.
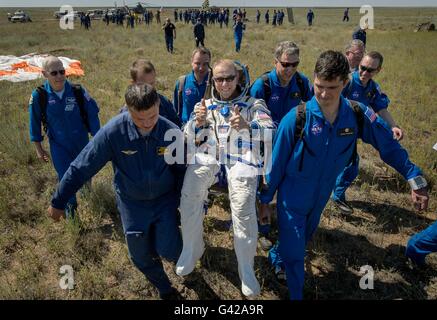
(226, 3)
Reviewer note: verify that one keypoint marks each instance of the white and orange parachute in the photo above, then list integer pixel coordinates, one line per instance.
(28, 67)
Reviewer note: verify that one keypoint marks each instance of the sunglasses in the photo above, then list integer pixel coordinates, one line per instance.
(369, 70)
(227, 79)
(55, 72)
(289, 64)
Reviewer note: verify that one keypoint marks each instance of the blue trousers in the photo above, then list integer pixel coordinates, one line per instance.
(421, 244)
(151, 231)
(169, 43)
(295, 231)
(345, 179)
(62, 158)
(238, 39)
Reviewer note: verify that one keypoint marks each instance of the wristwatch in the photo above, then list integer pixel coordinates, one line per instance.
(417, 183)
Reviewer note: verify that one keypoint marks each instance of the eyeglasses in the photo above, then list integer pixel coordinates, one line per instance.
(289, 64)
(55, 72)
(369, 70)
(227, 79)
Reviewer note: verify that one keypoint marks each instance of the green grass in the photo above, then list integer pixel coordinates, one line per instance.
(32, 248)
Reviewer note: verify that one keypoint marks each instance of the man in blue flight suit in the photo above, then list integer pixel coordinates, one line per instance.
(66, 120)
(143, 71)
(364, 89)
(199, 33)
(360, 34)
(283, 88)
(238, 27)
(147, 188)
(310, 17)
(423, 243)
(354, 52)
(190, 88)
(309, 154)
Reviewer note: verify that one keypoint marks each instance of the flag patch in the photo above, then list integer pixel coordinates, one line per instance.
(370, 114)
(262, 115)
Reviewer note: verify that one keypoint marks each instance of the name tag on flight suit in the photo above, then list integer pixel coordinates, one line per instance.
(343, 132)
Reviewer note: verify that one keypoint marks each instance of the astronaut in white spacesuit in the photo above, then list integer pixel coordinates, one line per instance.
(227, 130)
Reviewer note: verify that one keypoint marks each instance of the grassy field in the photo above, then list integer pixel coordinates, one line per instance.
(33, 248)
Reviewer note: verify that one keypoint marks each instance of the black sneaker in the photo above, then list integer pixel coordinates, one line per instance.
(172, 295)
(265, 243)
(344, 207)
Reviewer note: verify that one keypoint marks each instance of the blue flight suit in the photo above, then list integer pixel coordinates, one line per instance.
(66, 130)
(238, 35)
(370, 95)
(167, 110)
(147, 190)
(310, 17)
(282, 99)
(192, 94)
(280, 102)
(421, 244)
(360, 34)
(304, 173)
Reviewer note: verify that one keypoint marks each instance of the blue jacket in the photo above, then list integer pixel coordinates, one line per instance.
(64, 123)
(360, 34)
(282, 99)
(371, 95)
(238, 29)
(199, 31)
(304, 171)
(167, 110)
(141, 174)
(192, 94)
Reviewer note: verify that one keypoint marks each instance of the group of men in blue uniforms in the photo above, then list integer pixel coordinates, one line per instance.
(148, 189)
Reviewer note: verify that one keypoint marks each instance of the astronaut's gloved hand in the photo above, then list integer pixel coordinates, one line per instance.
(237, 121)
(201, 113)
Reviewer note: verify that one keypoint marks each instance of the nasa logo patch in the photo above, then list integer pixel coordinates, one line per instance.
(316, 129)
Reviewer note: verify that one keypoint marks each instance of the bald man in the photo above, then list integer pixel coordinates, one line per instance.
(230, 118)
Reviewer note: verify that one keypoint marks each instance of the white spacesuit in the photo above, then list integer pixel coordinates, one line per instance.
(239, 153)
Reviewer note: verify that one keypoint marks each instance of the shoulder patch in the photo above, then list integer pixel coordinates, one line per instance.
(31, 99)
(370, 114)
